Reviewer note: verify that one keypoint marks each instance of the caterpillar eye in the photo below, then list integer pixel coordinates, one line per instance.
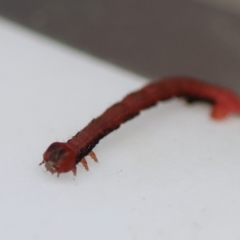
(61, 154)
(56, 154)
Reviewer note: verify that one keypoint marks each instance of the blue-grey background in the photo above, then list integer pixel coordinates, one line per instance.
(152, 38)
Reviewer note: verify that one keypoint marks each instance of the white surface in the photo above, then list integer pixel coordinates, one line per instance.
(171, 173)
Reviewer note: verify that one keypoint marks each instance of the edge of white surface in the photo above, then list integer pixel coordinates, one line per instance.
(21, 32)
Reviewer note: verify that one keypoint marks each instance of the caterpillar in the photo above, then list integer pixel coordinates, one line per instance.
(62, 157)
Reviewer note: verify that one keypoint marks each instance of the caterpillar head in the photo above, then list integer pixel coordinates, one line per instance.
(59, 158)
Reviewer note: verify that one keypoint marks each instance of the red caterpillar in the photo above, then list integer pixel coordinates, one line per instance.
(63, 157)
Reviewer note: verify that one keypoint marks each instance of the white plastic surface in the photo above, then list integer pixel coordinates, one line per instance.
(170, 173)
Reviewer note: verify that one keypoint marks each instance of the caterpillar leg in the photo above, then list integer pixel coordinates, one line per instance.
(74, 170)
(93, 156)
(84, 163)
